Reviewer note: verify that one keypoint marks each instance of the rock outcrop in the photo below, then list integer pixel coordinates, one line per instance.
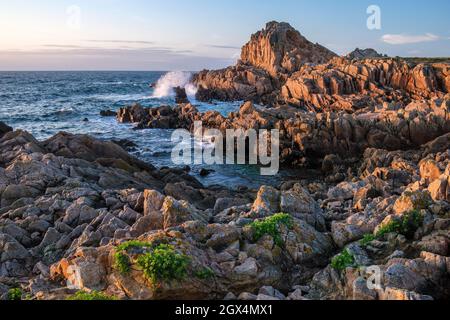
(280, 49)
(267, 60)
(279, 66)
(359, 54)
(343, 84)
(240, 82)
(313, 136)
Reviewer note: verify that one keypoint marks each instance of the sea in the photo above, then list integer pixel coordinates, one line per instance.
(45, 103)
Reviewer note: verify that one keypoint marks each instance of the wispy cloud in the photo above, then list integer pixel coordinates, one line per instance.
(62, 46)
(398, 39)
(222, 46)
(93, 51)
(122, 41)
(54, 57)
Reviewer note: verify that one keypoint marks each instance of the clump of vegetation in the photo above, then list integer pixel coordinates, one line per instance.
(91, 296)
(122, 263)
(15, 294)
(271, 226)
(163, 263)
(205, 273)
(133, 244)
(407, 225)
(343, 261)
(368, 238)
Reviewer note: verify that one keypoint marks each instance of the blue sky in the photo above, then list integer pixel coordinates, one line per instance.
(196, 34)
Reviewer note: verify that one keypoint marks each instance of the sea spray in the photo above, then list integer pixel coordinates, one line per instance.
(164, 86)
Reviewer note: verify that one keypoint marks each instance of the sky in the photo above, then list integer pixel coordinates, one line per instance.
(192, 35)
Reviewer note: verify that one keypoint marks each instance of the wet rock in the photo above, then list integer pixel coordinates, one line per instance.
(4, 128)
(180, 95)
(107, 113)
(205, 172)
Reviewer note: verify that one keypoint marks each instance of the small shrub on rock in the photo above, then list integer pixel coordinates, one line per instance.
(271, 226)
(133, 244)
(163, 263)
(368, 238)
(122, 263)
(15, 294)
(407, 225)
(343, 261)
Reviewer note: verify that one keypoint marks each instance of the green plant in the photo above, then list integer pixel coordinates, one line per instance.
(407, 225)
(163, 263)
(343, 261)
(205, 273)
(271, 226)
(122, 263)
(367, 239)
(132, 245)
(92, 296)
(15, 294)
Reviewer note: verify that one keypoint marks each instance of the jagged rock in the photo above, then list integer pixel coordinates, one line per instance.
(344, 84)
(4, 128)
(267, 201)
(279, 48)
(300, 204)
(177, 212)
(429, 170)
(11, 249)
(240, 82)
(359, 54)
(412, 201)
(180, 95)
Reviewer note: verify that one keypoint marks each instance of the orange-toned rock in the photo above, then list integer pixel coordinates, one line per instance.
(429, 170)
(279, 48)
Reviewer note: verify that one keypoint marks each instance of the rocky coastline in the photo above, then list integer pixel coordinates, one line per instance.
(82, 215)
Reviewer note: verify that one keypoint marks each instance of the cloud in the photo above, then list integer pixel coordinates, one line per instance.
(90, 58)
(62, 46)
(398, 39)
(122, 41)
(222, 46)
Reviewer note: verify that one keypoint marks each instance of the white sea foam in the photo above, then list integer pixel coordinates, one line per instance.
(164, 86)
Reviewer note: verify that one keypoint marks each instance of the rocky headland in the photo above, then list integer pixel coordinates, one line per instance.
(77, 213)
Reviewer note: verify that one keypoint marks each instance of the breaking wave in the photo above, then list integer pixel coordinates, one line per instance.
(164, 86)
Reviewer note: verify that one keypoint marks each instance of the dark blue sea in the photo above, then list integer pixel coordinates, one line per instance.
(45, 103)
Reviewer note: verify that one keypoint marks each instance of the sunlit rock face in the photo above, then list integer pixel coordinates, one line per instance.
(280, 49)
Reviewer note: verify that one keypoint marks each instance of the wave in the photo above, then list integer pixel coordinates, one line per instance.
(164, 86)
(115, 83)
(120, 97)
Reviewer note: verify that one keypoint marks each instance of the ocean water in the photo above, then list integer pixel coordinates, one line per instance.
(45, 103)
